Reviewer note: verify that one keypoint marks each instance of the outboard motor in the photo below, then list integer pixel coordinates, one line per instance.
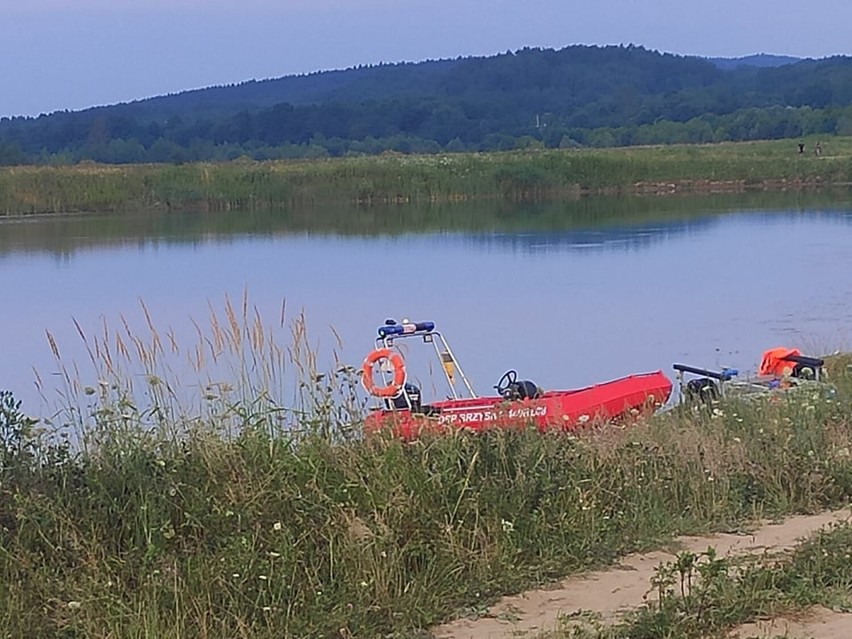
(804, 372)
(408, 398)
(702, 389)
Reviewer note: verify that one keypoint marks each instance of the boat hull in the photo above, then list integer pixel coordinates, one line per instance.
(554, 410)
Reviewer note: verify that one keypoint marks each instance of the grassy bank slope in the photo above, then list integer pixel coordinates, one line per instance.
(433, 178)
(182, 530)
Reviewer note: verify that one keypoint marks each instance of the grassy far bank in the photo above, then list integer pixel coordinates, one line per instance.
(194, 529)
(424, 178)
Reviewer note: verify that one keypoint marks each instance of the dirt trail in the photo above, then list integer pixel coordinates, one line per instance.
(818, 623)
(621, 587)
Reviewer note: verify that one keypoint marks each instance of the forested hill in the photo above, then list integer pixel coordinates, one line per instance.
(577, 96)
(761, 60)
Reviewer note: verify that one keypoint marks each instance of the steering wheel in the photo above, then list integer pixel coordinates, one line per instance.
(509, 378)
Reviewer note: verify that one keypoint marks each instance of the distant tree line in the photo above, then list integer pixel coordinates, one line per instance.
(574, 97)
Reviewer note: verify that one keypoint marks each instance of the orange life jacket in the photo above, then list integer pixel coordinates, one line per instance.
(773, 362)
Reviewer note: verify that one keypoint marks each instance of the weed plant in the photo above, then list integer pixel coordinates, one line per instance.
(225, 520)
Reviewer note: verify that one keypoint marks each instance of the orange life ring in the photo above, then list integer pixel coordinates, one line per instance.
(397, 383)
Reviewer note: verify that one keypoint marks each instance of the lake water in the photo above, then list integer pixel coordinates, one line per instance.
(568, 293)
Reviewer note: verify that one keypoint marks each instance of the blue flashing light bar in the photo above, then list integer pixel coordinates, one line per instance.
(389, 330)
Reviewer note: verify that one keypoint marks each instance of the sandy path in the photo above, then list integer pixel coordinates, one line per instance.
(607, 592)
(818, 623)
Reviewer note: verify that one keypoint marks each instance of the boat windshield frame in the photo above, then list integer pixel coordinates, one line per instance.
(457, 381)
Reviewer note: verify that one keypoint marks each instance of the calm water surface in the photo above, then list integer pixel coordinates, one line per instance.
(567, 293)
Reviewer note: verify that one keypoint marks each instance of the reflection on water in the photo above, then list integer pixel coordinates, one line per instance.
(616, 238)
(568, 293)
(597, 219)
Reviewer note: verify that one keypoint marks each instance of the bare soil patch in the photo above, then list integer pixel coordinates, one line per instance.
(607, 593)
(817, 623)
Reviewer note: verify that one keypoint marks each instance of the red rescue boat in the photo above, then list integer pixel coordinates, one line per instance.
(517, 403)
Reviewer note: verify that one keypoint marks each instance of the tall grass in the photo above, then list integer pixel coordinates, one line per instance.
(225, 520)
(387, 179)
(236, 371)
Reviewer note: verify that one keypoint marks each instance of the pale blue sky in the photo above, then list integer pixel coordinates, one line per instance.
(72, 54)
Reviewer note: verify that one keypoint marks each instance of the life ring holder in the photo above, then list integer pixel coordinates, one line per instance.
(396, 384)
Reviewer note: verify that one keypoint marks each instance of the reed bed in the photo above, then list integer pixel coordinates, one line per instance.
(261, 511)
(519, 175)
